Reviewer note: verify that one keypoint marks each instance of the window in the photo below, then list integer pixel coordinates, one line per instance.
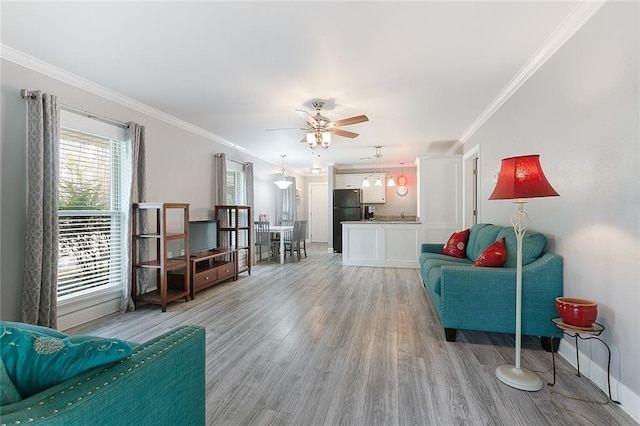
(236, 194)
(236, 187)
(91, 214)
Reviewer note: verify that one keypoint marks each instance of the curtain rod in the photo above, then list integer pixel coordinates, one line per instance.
(24, 93)
(233, 161)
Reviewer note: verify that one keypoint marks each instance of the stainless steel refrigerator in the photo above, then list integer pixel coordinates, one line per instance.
(346, 206)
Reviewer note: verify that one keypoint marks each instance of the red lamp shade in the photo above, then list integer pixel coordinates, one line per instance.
(522, 177)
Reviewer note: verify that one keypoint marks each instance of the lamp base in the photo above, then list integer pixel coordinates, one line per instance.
(519, 378)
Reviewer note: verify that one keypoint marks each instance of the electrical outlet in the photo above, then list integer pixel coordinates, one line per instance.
(182, 252)
(169, 254)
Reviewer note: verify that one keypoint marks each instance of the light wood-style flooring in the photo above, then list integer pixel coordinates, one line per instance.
(318, 343)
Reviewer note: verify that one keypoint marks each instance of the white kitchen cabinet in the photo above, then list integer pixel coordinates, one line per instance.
(375, 194)
(349, 181)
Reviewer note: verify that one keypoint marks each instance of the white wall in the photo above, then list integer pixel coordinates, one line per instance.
(581, 112)
(180, 167)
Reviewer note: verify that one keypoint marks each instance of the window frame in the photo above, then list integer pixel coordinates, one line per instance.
(91, 297)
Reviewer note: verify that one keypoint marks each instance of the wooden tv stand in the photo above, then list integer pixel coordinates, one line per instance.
(208, 268)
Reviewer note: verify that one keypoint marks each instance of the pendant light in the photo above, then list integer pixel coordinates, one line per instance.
(402, 180)
(378, 183)
(282, 183)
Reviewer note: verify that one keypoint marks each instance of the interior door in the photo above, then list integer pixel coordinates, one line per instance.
(318, 212)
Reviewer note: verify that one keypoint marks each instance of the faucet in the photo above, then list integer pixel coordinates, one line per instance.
(402, 214)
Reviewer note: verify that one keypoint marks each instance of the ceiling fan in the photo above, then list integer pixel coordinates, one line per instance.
(319, 128)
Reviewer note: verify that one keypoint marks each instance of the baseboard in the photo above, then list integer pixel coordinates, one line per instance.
(629, 401)
(80, 316)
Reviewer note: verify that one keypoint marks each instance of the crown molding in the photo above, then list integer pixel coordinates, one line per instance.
(27, 61)
(571, 24)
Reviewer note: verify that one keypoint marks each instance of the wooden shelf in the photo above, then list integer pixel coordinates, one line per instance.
(236, 222)
(155, 298)
(157, 258)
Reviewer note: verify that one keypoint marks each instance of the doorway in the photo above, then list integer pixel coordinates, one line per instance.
(318, 216)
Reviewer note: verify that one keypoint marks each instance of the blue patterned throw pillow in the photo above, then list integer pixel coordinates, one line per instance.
(37, 358)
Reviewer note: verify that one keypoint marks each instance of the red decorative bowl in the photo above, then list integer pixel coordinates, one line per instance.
(577, 312)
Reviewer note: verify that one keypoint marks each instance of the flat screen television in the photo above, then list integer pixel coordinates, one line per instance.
(203, 236)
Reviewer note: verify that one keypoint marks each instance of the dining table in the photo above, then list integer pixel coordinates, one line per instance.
(280, 229)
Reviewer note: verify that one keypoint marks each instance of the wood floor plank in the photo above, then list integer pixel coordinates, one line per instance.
(318, 343)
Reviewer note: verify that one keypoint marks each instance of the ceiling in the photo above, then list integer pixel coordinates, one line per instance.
(422, 71)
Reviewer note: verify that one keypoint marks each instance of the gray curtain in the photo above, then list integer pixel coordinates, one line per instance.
(221, 187)
(286, 208)
(134, 193)
(221, 178)
(248, 172)
(39, 291)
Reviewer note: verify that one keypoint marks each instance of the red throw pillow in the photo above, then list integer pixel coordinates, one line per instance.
(494, 255)
(456, 244)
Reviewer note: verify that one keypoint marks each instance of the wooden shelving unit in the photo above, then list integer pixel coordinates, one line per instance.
(155, 240)
(235, 222)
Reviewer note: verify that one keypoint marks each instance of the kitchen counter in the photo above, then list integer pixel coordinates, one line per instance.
(381, 243)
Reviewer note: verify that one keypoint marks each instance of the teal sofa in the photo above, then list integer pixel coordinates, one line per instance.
(483, 298)
(161, 383)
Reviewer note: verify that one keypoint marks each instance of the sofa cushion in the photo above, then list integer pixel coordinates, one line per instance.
(495, 255)
(456, 244)
(533, 245)
(8, 392)
(481, 236)
(431, 271)
(424, 257)
(37, 358)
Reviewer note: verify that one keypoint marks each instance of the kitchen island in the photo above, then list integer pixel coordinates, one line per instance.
(381, 243)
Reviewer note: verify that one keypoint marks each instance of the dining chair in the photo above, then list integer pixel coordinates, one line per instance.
(263, 239)
(303, 236)
(292, 241)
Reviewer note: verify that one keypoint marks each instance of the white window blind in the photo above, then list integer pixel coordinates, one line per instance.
(236, 194)
(91, 217)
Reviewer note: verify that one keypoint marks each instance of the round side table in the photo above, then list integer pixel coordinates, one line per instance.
(582, 333)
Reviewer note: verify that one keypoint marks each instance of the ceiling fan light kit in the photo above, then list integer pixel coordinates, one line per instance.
(319, 128)
(319, 138)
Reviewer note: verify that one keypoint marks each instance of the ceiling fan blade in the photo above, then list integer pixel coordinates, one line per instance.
(353, 120)
(308, 117)
(287, 128)
(345, 133)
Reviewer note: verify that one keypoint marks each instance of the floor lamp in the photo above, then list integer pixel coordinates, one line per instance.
(520, 178)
